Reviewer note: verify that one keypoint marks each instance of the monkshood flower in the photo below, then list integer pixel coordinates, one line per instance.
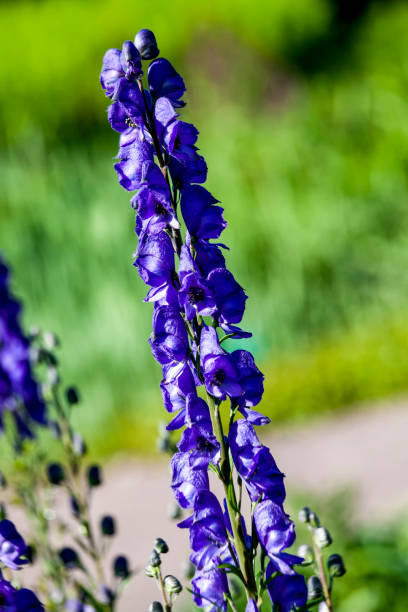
(19, 391)
(197, 305)
(12, 546)
(22, 600)
(286, 591)
(255, 463)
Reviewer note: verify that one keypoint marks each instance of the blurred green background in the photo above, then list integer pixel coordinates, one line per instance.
(302, 110)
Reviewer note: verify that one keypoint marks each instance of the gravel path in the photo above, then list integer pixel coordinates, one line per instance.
(364, 449)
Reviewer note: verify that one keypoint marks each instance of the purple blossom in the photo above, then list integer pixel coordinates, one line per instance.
(169, 341)
(208, 534)
(134, 150)
(186, 481)
(196, 297)
(12, 546)
(178, 382)
(185, 174)
(255, 463)
(155, 259)
(250, 377)
(207, 256)
(165, 81)
(286, 591)
(19, 392)
(203, 219)
(198, 436)
(152, 202)
(275, 532)
(230, 296)
(251, 606)
(209, 586)
(220, 375)
(131, 60)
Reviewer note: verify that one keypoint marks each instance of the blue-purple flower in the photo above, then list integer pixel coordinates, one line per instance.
(255, 463)
(220, 374)
(186, 480)
(12, 546)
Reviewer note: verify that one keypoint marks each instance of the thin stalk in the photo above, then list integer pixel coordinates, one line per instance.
(235, 518)
(322, 574)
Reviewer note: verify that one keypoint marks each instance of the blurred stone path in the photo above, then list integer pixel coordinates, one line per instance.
(366, 450)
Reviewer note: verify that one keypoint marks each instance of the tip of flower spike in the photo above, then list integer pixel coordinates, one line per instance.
(145, 43)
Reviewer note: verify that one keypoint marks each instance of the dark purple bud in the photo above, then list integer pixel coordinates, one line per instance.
(156, 606)
(75, 509)
(155, 560)
(31, 553)
(69, 558)
(172, 584)
(314, 588)
(131, 61)
(108, 526)
(145, 43)
(335, 565)
(72, 395)
(322, 537)
(161, 546)
(94, 476)
(78, 444)
(3, 481)
(55, 473)
(304, 514)
(121, 567)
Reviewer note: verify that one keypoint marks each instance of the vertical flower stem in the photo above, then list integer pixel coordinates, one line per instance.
(235, 517)
(160, 583)
(322, 574)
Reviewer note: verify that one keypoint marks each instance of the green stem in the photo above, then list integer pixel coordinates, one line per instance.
(235, 517)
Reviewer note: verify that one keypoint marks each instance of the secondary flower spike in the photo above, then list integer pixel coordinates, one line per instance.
(197, 304)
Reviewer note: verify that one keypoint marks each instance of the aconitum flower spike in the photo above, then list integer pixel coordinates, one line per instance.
(145, 42)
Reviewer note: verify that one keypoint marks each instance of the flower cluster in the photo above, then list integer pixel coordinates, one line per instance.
(12, 555)
(19, 392)
(197, 305)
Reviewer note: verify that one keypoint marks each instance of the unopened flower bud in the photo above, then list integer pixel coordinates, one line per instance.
(53, 376)
(172, 584)
(3, 481)
(306, 552)
(55, 473)
(304, 514)
(174, 511)
(314, 519)
(161, 545)
(156, 606)
(151, 572)
(154, 560)
(121, 567)
(94, 476)
(73, 502)
(145, 43)
(188, 569)
(69, 558)
(108, 526)
(322, 537)
(78, 444)
(335, 565)
(55, 429)
(33, 332)
(131, 60)
(105, 595)
(50, 340)
(30, 553)
(314, 588)
(72, 395)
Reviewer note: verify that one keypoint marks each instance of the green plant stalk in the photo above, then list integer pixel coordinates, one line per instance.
(235, 518)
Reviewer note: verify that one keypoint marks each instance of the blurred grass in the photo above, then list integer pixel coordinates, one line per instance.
(311, 169)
